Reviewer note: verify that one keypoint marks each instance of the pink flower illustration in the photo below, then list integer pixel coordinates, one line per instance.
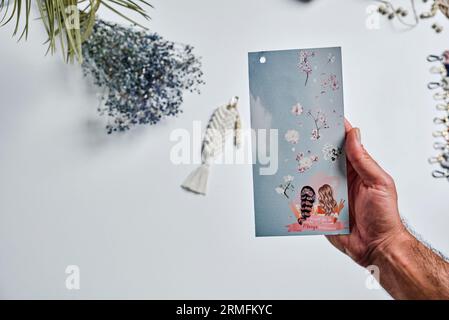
(320, 121)
(297, 109)
(304, 63)
(329, 82)
(305, 162)
(334, 82)
(292, 136)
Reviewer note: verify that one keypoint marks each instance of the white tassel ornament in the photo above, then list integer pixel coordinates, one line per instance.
(225, 119)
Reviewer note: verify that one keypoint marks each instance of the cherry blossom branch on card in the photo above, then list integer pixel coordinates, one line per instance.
(320, 121)
(304, 63)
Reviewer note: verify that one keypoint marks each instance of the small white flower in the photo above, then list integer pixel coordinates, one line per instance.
(305, 163)
(288, 178)
(331, 153)
(292, 136)
(279, 190)
(327, 151)
(297, 109)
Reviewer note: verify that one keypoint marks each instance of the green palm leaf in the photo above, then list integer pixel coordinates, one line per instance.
(67, 22)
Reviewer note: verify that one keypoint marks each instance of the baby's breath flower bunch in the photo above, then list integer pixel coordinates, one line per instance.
(143, 75)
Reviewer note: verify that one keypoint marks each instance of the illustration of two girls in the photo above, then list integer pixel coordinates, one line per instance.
(327, 205)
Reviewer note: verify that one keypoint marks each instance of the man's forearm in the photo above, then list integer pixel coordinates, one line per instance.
(410, 270)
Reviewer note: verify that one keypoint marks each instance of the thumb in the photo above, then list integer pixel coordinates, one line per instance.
(365, 166)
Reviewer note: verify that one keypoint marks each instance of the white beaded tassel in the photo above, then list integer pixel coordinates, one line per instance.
(224, 119)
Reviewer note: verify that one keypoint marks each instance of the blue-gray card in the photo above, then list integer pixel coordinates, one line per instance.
(297, 115)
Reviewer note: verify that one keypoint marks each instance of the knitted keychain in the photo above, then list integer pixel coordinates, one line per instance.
(224, 120)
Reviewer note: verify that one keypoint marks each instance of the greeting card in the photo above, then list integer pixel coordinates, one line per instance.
(297, 117)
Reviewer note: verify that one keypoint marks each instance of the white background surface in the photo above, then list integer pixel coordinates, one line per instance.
(70, 194)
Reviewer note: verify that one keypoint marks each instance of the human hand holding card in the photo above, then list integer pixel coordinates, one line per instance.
(296, 98)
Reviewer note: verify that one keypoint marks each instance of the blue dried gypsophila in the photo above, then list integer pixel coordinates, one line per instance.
(143, 75)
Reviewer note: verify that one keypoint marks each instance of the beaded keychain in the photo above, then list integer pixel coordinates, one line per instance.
(442, 158)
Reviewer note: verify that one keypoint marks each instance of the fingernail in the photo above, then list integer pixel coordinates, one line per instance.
(358, 135)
